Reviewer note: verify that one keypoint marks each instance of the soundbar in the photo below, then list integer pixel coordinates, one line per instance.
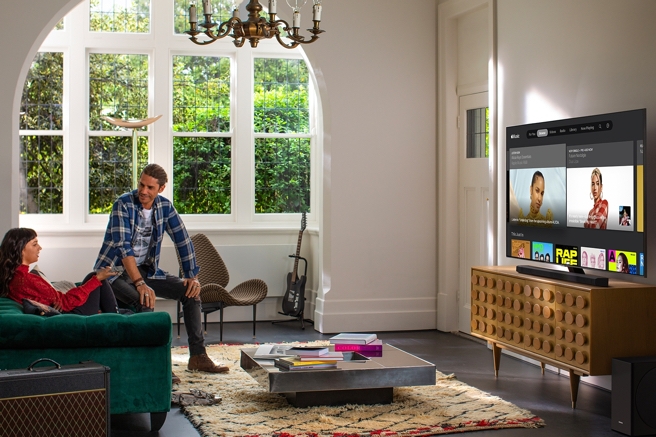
(581, 278)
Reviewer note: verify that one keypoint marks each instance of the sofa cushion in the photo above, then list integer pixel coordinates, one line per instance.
(22, 331)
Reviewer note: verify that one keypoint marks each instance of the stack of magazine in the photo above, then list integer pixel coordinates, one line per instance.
(309, 358)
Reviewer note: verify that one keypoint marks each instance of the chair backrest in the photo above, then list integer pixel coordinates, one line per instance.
(212, 268)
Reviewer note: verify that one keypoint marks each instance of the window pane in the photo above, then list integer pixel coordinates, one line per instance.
(221, 11)
(282, 175)
(125, 16)
(201, 175)
(41, 105)
(41, 174)
(281, 96)
(110, 169)
(478, 133)
(201, 94)
(118, 87)
(60, 25)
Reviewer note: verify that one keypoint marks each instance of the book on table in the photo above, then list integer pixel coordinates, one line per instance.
(328, 356)
(312, 367)
(374, 346)
(294, 363)
(353, 338)
(308, 351)
(271, 351)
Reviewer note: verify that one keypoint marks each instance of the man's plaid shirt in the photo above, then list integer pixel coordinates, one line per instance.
(119, 235)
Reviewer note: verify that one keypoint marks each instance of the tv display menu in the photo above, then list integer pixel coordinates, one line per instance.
(575, 192)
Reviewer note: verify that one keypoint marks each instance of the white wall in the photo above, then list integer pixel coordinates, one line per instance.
(379, 217)
(376, 254)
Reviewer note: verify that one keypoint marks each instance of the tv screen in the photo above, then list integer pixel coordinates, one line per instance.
(575, 192)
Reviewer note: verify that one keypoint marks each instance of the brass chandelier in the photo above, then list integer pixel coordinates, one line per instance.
(256, 27)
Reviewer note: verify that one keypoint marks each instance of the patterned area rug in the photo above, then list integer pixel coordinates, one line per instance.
(247, 410)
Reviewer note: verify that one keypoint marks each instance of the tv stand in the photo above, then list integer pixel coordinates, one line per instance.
(576, 275)
(575, 327)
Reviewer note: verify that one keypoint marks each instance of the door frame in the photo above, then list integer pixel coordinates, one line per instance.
(466, 102)
(448, 239)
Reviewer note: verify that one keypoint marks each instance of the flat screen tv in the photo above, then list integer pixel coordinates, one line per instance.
(576, 193)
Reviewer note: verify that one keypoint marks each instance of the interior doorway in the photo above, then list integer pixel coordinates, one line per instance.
(473, 194)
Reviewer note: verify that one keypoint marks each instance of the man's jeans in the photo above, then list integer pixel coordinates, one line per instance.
(170, 288)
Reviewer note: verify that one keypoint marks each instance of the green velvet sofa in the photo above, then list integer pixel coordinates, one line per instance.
(136, 348)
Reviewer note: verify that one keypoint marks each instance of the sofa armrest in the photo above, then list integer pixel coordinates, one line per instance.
(27, 331)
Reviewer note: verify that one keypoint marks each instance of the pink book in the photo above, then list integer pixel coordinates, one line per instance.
(376, 345)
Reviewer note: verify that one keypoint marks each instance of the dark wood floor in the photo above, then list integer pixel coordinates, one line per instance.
(547, 396)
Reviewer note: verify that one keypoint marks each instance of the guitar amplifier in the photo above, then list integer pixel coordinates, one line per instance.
(55, 401)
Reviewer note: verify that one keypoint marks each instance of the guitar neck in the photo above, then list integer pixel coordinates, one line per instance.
(298, 253)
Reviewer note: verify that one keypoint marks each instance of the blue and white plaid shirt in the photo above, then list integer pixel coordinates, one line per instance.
(119, 235)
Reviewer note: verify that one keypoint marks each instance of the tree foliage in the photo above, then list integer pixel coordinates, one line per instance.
(126, 16)
(202, 169)
(201, 105)
(41, 169)
(201, 94)
(282, 165)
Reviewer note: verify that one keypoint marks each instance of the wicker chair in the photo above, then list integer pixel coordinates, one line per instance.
(214, 277)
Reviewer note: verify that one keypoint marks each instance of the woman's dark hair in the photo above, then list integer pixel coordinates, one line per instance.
(11, 254)
(536, 175)
(625, 262)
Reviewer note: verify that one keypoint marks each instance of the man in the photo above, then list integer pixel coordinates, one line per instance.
(133, 241)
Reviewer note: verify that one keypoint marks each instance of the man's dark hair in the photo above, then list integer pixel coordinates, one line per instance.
(156, 171)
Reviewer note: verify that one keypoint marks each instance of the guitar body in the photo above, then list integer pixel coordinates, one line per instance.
(293, 301)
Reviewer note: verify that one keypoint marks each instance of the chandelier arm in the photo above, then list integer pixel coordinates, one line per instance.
(199, 42)
(297, 39)
(224, 29)
(239, 42)
(293, 45)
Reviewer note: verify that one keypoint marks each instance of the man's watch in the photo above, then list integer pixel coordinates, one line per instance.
(140, 283)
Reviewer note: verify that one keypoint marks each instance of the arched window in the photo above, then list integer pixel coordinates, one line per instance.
(237, 134)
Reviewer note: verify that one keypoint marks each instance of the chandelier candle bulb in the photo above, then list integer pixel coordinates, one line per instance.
(207, 9)
(272, 7)
(297, 20)
(317, 12)
(235, 13)
(192, 14)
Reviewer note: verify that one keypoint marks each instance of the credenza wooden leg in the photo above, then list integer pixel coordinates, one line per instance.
(542, 367)
(496, 354)
(574, 380)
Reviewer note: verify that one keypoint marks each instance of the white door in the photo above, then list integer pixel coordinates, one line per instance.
(473, 187)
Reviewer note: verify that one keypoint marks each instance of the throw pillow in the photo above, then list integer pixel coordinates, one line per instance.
(33, 307)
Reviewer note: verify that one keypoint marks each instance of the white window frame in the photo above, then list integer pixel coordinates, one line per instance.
(161, 44)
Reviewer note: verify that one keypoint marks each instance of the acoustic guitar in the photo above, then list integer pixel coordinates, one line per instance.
(293, 301)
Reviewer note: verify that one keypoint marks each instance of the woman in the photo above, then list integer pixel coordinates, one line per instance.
(602, 261)
(598, 215)
(20, 248)
(625, 220)
(622, 263)
(536, 194)
(584, 259)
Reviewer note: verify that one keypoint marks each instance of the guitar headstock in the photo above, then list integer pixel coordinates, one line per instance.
(303, 222)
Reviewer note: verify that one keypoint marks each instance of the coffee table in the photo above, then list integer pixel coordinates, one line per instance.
(358, 380)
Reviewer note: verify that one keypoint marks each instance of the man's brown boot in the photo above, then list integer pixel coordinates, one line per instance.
(203, 363)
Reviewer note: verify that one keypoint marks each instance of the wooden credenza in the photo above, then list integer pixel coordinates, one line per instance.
(574, 327)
